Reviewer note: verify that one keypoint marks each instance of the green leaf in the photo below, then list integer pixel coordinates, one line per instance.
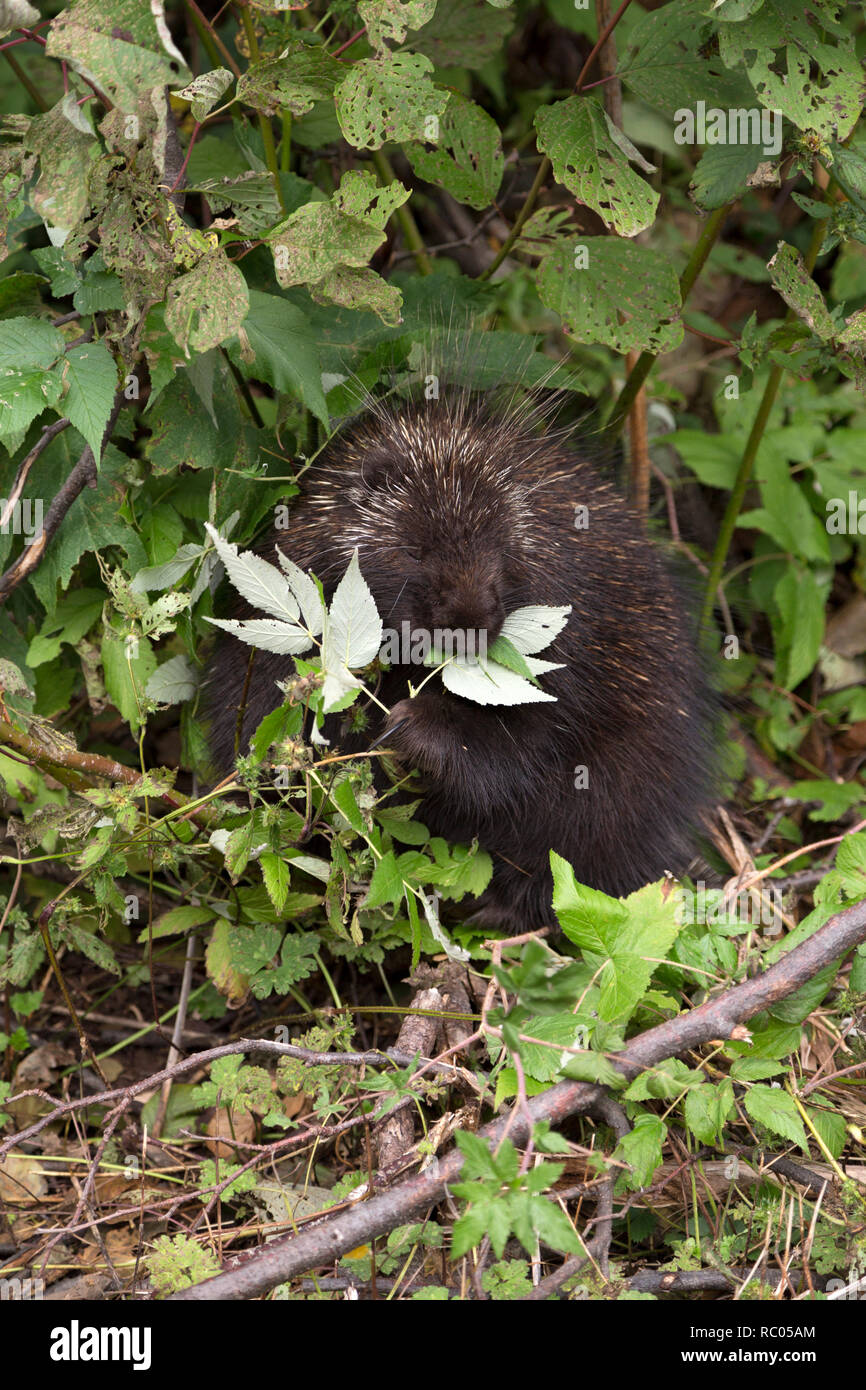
(611, 291)
(128, 667)
(92, 382)
(390, 19)
(723, 174)
(707, 1109)
(23, 396)
(641, 1149)
(179, 920)
(208, 304)
(795, 68)
(775, 1110)
(301, 76)
(28, 343)
(665, 66)
(388, 98)
(799, 291)
(386, 884)
(173, 682)
(275, 872)
(204, 91)
(576, 134)
(343, 795)
(280, 347)
(125, 52)
(468, 160)
(799, 629)
(624, 939)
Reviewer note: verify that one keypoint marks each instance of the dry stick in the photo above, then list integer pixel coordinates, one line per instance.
(284, 1259)
(50, 432)
(395, 1134)
(127, 1094)
(177, 1032)
(83, 475)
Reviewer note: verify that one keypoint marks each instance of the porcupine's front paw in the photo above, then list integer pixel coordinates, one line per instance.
(421, 736)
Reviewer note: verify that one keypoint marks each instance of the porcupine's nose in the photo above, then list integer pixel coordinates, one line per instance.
(466, 605)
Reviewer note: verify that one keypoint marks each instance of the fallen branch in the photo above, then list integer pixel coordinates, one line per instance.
(719, 1017)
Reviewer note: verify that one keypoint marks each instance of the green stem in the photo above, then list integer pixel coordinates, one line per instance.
(286, 142)
(408, 225)
(641, 369)
(265, 127)
(738, 492)
(520, 220)
(30, 87)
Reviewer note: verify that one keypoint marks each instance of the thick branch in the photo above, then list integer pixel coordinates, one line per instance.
(285, 1258)
(83, 475)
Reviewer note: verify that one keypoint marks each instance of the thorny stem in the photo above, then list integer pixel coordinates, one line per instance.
(641, 369)
(408, 225)
(756, 434)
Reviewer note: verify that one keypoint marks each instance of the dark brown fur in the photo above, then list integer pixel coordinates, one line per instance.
(461, 515)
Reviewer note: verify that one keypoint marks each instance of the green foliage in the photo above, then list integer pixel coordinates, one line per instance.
(176, 1262)
(202, 269)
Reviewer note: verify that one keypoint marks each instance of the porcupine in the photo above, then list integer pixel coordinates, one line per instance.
(461, 513)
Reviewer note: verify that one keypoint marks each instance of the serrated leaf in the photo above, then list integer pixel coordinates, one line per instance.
(26, 342)
(306, 593)
(296, 80)
(775, 1110)
(503, 651)
(488, 683)
(801, 62)
(390, 19)
(799, 291)
(353, 632)
(467, 161)
(281, 348)
(269, 634)
(275, 872)
(127, 667)
(208, 304)
(533, 628)
(259, 582)
(91, 385)
(607, 290)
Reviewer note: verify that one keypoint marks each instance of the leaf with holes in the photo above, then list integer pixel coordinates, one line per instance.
(388, 98)
(468, 161)
(610, 291)
(576, 136)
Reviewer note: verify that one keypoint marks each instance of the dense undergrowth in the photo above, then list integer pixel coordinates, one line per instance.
(220, 226)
